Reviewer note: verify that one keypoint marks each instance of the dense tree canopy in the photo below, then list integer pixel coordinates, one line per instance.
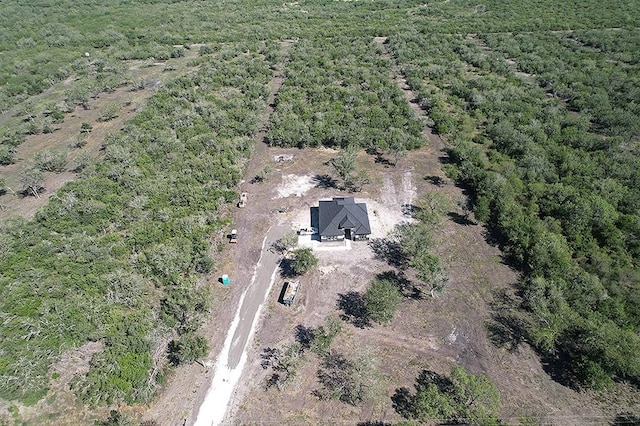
(544, 131)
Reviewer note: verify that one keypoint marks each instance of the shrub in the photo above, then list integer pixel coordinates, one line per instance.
(49, 161)
(304, 260)
(7, 155)
(382, 300)
(189, 348)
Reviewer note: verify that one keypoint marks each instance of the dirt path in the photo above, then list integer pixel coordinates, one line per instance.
(252, 223)
(233, 356)
(436, 141)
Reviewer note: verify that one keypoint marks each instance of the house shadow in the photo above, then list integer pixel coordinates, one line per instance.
(314, 219)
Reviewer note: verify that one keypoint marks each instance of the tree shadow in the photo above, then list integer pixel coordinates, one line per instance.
(267, 356)
(558, 366)
(505, 329)
(428, 377)
(380, 159)
(448, 156)
(325, 181)
(28, 193)
(410, 210)
(389, 251)
(435, 180)
(402, 402)
(286, 268)
(460, 219)
(257, 179)
(304, 335)
(354, 308)
(406, 287)
(626, 418)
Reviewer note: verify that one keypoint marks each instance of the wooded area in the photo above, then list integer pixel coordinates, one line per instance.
(539, 103)
(544, 132)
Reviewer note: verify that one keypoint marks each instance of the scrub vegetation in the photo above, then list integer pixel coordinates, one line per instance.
(538, 102)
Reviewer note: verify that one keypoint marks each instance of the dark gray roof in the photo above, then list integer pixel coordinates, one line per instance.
(342, 213)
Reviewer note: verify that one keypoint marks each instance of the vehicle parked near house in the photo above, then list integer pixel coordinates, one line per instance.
(307, 231)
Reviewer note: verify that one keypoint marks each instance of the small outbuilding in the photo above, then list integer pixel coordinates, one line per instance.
(342, 218)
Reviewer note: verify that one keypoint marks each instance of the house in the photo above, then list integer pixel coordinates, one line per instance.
(342, 218)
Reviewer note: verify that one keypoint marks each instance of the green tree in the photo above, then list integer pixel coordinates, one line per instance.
(430, 272)
(188, 349)
(286, 243)
(348, 380)
(344, 165)
(284, 362)
(323, 335)
(116, 418)
(476, 397)
(51, 161)
(303, 261)
(382, 300)
(31, 178)
(462, 398)
(356, 182)
(432, 208)
(414, 238)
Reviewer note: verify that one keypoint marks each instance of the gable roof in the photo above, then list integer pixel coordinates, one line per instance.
(342, 213)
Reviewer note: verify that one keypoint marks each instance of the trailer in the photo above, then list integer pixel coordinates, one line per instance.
(289, 292)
